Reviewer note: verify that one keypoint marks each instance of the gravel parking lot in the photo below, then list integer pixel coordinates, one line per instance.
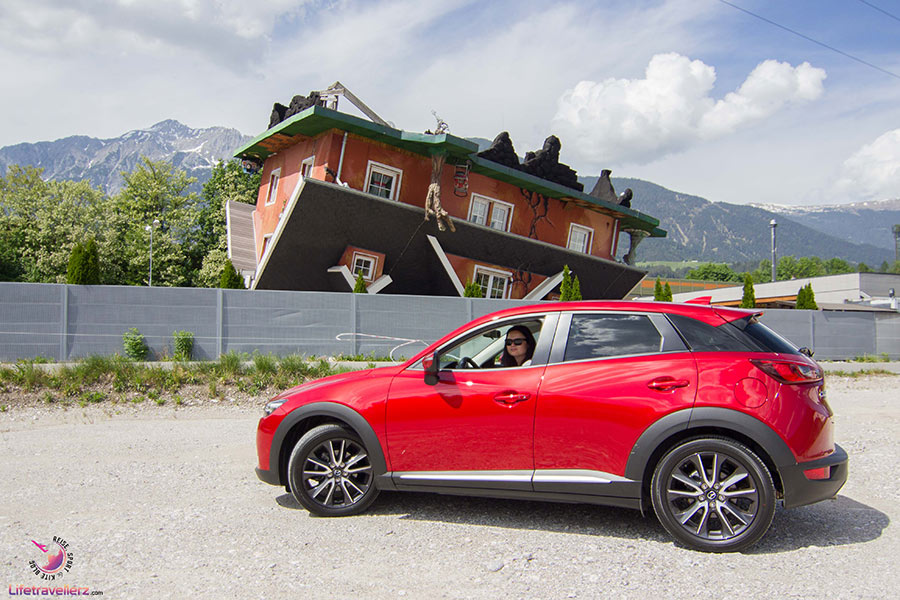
(162, 502)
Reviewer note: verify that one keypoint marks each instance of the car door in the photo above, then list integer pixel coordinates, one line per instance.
(475, 426)
(610, 376)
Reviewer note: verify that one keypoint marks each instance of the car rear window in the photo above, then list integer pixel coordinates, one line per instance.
(706, 338)
(599, 336)
(765, 337)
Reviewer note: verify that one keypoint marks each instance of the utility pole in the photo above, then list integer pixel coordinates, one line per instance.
(897, 242)
(773, 225)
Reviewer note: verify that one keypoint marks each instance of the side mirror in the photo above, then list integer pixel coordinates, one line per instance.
(430, 364)
(806, 351)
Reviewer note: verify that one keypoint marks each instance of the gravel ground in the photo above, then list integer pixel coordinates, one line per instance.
(162, 502)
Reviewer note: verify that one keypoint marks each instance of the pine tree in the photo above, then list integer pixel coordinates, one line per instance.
(76, 264)
(749, 298)
(811, 298)
(667, 292)
(576, 289)
(91, 263)
(230, 279)
(658, 291)
(473, 290)
(360, 287)
(565, 288)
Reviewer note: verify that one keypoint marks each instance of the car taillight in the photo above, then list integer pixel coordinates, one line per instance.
(789, 372)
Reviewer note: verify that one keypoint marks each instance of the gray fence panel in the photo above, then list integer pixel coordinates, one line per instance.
(30, 320)
(887, 335)
(284, 323)
(422, 318)
(63, 322)
(100, 315)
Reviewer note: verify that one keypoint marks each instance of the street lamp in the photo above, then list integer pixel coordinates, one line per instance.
(150, 228)
(773, 225)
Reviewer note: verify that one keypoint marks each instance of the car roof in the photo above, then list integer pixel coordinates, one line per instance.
(711, 315)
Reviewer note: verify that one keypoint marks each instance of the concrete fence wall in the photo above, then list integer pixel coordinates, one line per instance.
(65, 322)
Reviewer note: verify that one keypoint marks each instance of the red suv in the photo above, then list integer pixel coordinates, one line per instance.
(702, 413)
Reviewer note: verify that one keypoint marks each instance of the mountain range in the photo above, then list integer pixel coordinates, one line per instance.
(102, 161)
(697, 228)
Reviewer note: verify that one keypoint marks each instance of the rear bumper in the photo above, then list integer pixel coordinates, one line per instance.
(799, 490)
(270, 477)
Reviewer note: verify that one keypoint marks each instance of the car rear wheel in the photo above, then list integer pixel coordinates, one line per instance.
(330, 472)
(713, 494)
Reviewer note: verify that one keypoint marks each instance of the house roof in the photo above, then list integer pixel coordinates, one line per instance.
(323, 218)
(317, 119)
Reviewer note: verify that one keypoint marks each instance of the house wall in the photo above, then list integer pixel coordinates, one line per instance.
(545, 219)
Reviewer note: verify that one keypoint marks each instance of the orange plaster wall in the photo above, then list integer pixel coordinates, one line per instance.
(518, 288)
(326, 149)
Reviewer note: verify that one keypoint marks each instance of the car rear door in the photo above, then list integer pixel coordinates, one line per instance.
(609, 377)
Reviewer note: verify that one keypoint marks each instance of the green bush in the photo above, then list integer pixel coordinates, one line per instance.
(231, 279)
(183, 344)
(84, 264)
(135, 346)
(230, 364)
(473, 290)
(265, 364)
(360, 287)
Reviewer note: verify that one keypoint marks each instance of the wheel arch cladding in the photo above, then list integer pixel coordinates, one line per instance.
(302, 419)
(682, 424)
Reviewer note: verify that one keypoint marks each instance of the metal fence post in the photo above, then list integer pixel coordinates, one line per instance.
(353, 322)
(63, 322)
(812, 330)
(220, 320)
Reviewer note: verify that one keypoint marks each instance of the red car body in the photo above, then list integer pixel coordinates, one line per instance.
(590, 429)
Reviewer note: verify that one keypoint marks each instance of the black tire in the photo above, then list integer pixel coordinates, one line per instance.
(713, 494)
(330, 472)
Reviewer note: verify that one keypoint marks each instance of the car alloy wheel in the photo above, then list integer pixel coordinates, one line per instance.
(713, 494)
(330, 472)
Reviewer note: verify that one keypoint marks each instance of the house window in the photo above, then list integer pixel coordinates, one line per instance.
(383, 181)
(580, 238)
(273, 186)
(365, 264)
(492, 283)
(306, 166)
(266, 239)
(493, 213)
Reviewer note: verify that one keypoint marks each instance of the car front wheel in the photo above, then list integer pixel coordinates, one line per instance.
(330, 472)
(713, 494)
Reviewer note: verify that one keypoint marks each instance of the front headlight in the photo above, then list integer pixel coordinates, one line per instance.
(272, 405)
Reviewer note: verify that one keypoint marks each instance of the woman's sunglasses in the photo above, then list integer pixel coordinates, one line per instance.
(515, 342)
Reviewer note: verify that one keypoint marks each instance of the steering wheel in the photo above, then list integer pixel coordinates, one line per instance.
(467, 363)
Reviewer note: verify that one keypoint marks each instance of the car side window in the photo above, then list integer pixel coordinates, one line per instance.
(483, 349)
(604, 335)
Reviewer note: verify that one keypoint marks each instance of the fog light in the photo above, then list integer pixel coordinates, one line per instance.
(820, 473)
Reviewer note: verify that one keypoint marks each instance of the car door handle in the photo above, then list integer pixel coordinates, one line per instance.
(667, 384)
(510, 398)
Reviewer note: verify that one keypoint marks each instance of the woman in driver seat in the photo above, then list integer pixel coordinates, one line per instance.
(519, 347)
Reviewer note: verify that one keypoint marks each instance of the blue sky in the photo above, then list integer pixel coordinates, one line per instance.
(694, 95)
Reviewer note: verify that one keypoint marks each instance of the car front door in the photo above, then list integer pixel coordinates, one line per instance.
(475, 426)
(610, 376)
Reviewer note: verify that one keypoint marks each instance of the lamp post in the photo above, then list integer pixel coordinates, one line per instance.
(773, 225)
(150, 228)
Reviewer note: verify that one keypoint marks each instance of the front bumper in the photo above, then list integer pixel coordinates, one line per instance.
(799, 490)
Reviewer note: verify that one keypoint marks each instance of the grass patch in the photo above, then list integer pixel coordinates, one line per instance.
(873, 358)
(860, 373)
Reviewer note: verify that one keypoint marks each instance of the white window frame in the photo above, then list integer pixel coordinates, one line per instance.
(267, 239)
(364, 256)
(310, 162)
(493, 274)
(491, 202)
(573, 227)
(377, 167)
(273, 187)
(480, 200)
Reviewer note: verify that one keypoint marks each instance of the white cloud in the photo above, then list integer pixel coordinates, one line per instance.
(873, 171)
(641, 120)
